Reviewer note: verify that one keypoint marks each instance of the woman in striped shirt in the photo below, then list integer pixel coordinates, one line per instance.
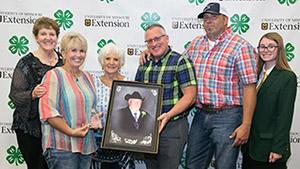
(66, 109)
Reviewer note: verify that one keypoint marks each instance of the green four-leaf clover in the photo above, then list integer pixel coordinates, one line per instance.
(196, 1)
(102, 43)
(288, 2)
(187, 44)
(289, 48)
(14, 156)
(239, 24)
(63, 19)
(11, 104)
(18, 45)
(182, 161)
(149, 19)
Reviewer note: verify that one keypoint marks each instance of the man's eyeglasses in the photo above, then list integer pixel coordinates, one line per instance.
(269, 48)
(155, 39)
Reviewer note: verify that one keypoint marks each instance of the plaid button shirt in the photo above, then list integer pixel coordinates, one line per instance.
(173, 71)
(223, 70)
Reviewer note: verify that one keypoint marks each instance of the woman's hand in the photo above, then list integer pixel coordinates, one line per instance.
(81, 131)
(38, 91)
(274, 157)
(60, 124)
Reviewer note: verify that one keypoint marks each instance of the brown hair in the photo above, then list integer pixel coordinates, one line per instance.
(45, 22)
(281, 61)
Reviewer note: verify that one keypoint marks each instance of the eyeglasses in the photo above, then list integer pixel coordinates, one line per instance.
(269, 48)
(155, 39)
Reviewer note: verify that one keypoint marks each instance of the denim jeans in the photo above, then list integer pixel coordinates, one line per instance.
(209, 136)
(60, 159)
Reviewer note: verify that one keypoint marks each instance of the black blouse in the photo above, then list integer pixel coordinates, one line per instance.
(28, 73)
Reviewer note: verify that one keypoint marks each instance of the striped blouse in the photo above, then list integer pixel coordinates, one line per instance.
(73, 99)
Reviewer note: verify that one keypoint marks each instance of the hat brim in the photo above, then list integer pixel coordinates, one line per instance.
(201, 15)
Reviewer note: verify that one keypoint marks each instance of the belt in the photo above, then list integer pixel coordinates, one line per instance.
(210, 108)
(179, 116)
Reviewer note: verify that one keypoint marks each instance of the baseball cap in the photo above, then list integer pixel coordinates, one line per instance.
(213, 8)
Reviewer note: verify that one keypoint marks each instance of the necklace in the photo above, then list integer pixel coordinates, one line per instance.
(52, 60)
(46, 58)
(75, 75)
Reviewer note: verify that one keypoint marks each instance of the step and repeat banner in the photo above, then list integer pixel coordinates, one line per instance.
(123, 22)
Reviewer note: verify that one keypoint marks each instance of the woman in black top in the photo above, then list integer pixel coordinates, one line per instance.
(26, 90)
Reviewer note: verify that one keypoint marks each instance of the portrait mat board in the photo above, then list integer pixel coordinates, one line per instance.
(124, 129)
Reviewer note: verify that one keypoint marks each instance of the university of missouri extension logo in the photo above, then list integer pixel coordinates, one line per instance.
(64, 18)
(280, 24)
(149, 19)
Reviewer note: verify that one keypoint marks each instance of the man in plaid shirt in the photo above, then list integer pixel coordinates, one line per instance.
(226, 75)
(176, 73)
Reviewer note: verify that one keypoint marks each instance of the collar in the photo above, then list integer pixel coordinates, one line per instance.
(269, 70)
(225, 35)
(163, 57)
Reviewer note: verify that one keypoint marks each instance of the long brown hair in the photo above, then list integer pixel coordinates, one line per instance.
(281, 61)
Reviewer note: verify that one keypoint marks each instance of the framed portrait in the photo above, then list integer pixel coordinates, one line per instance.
(131, 123)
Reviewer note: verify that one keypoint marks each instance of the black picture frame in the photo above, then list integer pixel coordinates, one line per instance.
(121, 131)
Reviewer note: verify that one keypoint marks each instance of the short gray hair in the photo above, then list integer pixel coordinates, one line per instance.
(109, 49)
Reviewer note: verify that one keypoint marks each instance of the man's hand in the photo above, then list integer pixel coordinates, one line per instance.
(96, 121)
(240, 135)
(145, 56)
(164, 118)
(274, 157)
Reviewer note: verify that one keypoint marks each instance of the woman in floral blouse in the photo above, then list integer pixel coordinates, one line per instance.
(111, 59)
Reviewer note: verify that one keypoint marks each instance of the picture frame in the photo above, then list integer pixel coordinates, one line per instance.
(123, 130)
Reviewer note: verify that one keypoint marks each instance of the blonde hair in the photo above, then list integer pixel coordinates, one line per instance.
(72, 39)
(281, 61)
(111, 48)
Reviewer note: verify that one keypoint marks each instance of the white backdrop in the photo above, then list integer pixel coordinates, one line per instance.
(122, 21)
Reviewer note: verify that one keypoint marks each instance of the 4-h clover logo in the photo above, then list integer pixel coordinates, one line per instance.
(196, 1)
(14, 156)
(11, 104)
(288, 2)
(193, 111)
(63, 19)
(102, 43)
(239, 24)
(149, 19)
(187, 44)
(183, 159)
(108, 1)
(289, 48)
(18, 45)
